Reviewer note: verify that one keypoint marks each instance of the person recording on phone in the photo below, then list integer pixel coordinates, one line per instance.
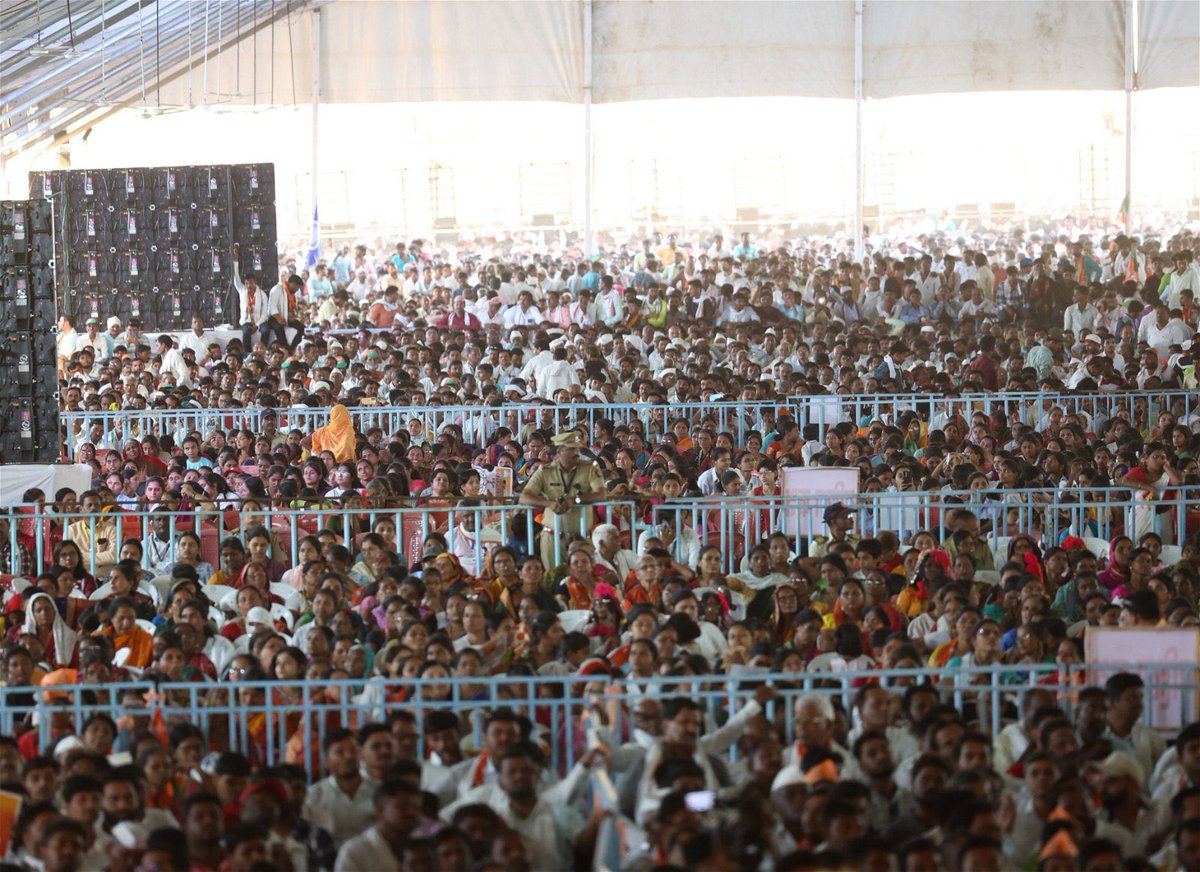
(682, 725)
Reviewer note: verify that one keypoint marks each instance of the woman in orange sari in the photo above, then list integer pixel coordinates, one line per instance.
(576, 590)
(499, 573)
(122, 626)
(337, 437)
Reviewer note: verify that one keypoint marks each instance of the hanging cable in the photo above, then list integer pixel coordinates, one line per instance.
(71, 26)
(206, 6)
(191, 101)
(103, 46)
(220, 44)
(141, 54)
(272, 52)
(157, 55)
(291, 52)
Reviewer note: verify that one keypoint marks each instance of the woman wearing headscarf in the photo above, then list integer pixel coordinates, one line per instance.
(1116, 571)
(58, 640)
(336, 437)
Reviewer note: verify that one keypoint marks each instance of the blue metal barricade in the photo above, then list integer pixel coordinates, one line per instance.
(269, 715)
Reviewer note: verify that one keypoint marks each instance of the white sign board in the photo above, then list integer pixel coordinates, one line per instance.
(821, 485)
(1171, 699)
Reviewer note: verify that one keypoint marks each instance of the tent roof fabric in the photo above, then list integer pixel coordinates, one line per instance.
(63, 73)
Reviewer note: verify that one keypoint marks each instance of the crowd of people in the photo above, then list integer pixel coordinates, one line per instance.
(263, 567)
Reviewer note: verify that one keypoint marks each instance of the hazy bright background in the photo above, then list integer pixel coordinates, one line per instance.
(413, 167)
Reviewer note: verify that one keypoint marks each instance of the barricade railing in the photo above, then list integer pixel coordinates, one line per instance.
(272, 721)
(479, 422)
(100, 535)
(735, 524)
(738, 523)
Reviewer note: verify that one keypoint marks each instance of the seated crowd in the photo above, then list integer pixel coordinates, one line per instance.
(178, 567)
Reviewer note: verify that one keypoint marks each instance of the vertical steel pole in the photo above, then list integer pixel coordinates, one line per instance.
(587, 129)
(1130, 40)
(858, 150)
(316, 104)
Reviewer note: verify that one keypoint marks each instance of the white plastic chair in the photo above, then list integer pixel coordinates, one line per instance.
(220, 651)
(1171, 554)
(574, 619)
(1098, 547)
(148, 626)
(999, 548)
(282, 613)
(216, 593)
(228, 601)
(104, 591)
(18, 586)
(162, 584)
(292, 598)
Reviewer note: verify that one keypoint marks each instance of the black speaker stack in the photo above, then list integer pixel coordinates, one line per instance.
(155, 243)
(29, 423)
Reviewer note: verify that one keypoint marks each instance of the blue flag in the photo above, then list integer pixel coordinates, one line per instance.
(314, 244)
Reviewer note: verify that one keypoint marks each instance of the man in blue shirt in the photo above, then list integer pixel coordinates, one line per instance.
(319, 285)
(342, 266)
(591, 281)
(788, 305)
(913, 311)
(744, 250)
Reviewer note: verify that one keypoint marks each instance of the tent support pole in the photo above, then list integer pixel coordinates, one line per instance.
(1130, 60)
(587, 129)
(316, 103)
(858, 150)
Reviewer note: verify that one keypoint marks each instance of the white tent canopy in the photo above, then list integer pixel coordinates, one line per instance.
(65, 74)
(380, 51)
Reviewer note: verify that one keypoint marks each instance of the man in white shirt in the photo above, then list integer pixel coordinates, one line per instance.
(195, 340)
(397, 814)
(549, 830)
(252, 303)
(978, 306)
(346, 798)
(277, 313)
(609, 552)
(1080, 317)
(172, 363)
(610, 306)
(93, 340)
(581, 311)
(1166, 331)
(1183, 277)
(718, 250)
(558, 375)
(362, 286)
(740, 312)
(524, 314)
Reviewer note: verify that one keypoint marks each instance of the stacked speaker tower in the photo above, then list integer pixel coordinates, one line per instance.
(29, 422)
(156, 243)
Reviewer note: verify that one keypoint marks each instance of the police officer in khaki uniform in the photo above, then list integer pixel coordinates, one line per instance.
(839, 518)
(563, 488)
